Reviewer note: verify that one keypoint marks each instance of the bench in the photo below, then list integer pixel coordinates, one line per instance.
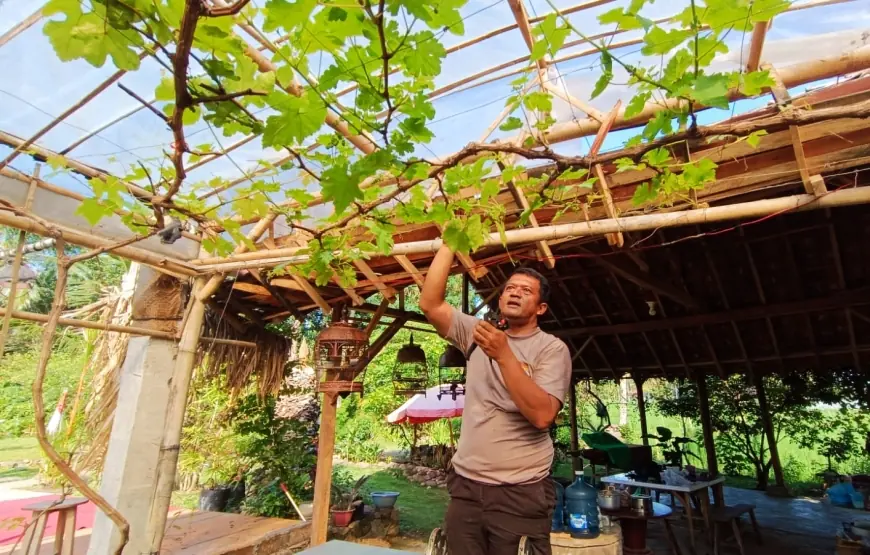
(732, 514)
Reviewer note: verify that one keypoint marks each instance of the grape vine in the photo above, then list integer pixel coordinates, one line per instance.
(368, 151)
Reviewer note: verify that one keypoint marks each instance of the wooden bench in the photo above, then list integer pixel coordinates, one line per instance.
(64, 535)
(732, 514)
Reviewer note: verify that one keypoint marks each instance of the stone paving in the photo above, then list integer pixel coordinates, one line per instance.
(789, 526)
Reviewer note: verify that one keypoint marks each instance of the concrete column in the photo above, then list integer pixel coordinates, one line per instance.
(131, 459)
(129, 470)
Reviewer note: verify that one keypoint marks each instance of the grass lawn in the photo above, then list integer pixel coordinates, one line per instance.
(15, 474)
(19, 449)
(422, 509)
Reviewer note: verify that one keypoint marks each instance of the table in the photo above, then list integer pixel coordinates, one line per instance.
(683, 493)
(634, 527)
(64, 535)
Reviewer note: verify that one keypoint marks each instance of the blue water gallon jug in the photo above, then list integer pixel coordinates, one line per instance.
(559, 509)
(581, 506)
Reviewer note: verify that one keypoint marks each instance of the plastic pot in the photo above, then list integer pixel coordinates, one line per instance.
(341, 518)
(384, 499)
(213, 499)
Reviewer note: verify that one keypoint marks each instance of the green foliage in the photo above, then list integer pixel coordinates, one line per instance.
(672, 446)
(391, 54)
(16, 400)
(741, 443)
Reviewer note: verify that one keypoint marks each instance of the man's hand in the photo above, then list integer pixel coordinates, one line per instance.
(493, 341)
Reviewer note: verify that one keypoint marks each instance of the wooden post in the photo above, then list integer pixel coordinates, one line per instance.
(641, 410)
(16, 263)
(465, 288)
(576, 464)
(167, 461)
(766, 420)
(323, 476)
(707, 426)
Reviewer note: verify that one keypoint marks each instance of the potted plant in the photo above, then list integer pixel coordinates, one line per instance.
(344, 498)
(672, 446)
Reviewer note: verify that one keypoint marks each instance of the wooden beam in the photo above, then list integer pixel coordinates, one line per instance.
(230, 318)
(241, 308)
(838, 301)
(817, 185)
(759, 32)
(312, 293)
(393, 313)
(645, 281)
(797, 144)
(841, 283)
(613, 239)
(350, 292)
(385, 290)
(277, 294)
(409, 267)
(523, 203)
(376, 317)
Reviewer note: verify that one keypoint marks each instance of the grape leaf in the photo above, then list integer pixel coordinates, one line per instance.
(281, 14)
(755, 82)
(538, 100)
(606, 74)
(659, 41)
(93, 210)
(643, 194)
(636, 104)
(299, 118)
(511, 124)
(711, 90)
(755, 137)
(340, 187)
(552, 36)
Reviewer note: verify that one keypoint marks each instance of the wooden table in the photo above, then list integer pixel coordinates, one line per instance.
(683, 493)
(64, 535)
(634, 527)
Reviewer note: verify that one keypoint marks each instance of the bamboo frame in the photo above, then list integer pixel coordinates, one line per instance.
(759, 32)
(21, 26)
(12, 296)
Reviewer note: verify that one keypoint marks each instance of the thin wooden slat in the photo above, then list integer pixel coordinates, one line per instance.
(614, 239)
(350, 292)
(585, 107)
(409, 267)
(312, 293)
(797, 144)
(385, 290)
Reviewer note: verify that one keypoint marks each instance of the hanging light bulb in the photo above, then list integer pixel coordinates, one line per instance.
(652, 307)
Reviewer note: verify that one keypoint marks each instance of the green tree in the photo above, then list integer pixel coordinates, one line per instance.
(741, 443)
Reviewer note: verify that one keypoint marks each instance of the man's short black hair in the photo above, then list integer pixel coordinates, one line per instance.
(545, 284)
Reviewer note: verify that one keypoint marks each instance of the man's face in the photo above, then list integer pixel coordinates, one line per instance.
(521, 298)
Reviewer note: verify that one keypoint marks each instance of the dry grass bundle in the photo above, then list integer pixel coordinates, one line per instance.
(265, 364)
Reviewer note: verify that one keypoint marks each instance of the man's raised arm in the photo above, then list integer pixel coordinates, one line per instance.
(432, 302)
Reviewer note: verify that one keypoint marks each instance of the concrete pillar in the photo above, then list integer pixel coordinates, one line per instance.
(131, 459)
(129, 470)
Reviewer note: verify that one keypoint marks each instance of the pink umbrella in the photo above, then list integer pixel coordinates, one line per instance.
(420, 408)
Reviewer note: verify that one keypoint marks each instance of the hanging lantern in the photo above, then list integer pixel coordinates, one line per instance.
(411, 373)
(451, 372)
(339, 349)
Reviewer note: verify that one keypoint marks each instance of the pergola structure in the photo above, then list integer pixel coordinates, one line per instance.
(765, 268)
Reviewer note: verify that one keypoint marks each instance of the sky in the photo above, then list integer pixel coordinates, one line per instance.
(36, 86)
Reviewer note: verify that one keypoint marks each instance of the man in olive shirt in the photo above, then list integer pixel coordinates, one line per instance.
(515, 383)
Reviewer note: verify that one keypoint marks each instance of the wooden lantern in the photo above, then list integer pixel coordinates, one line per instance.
(451, 372)
(411, 373)
(338, 352)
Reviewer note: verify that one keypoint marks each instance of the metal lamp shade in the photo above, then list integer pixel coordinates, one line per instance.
(337, 352)
(411, 373)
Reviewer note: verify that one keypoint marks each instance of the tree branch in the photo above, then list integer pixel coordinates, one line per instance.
(226, 96)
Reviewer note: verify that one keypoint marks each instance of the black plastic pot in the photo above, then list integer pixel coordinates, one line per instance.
(214, 499)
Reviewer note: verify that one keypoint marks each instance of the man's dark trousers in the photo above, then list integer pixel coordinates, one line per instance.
(484, 519)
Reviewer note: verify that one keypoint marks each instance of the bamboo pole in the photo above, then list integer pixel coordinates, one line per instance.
(104, 326)
(167, 461)
(22, 26)
(16, 265)
(576, 462)
(161, 263)
(759, 208)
